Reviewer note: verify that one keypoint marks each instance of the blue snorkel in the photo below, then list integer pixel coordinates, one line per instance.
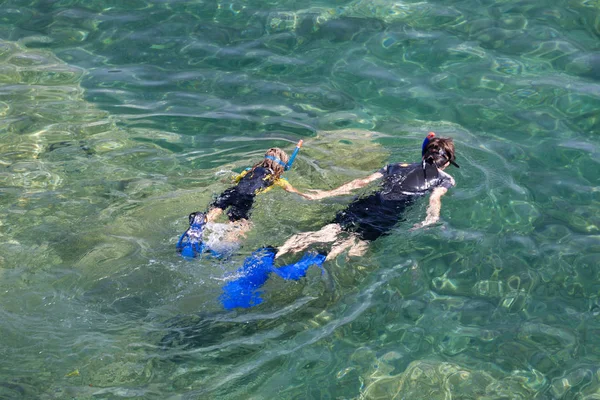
(286, 167)
(430, 136)
(293, 157)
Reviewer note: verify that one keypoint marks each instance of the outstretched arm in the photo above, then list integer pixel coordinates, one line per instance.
(289, 188)
(435, 205)
(345, 188)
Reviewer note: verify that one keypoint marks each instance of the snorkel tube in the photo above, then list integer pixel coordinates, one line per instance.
(293, 156)
(430, 136)
(287, 166)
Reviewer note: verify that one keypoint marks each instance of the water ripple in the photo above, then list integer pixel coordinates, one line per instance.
(117, 120)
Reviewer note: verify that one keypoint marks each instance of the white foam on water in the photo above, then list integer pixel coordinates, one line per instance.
(218, 237)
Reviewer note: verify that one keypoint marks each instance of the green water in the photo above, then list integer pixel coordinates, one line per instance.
(117, 119)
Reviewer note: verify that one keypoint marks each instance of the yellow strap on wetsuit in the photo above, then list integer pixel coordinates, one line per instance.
(238, 177)
(281, 182)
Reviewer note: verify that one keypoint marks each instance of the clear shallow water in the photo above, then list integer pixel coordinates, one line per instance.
(118, 120)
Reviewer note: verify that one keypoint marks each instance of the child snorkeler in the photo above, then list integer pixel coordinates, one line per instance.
(239, 199)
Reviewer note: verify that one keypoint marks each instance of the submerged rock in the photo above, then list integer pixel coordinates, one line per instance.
(436, 380)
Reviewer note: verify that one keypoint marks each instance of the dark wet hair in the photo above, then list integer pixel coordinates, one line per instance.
(439, 151)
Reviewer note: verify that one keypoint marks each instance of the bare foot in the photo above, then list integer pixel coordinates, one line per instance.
(357, 248)
(301, 241)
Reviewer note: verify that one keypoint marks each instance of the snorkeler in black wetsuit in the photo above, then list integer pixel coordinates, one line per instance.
(239, 199)
(261, 178)
(375, 215)
(370, 217)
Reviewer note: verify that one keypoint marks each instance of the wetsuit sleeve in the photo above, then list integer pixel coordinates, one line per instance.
(282, 183)
(446, 181)
(277, 182)
(446, 184)
(239, 177)
(393, 169)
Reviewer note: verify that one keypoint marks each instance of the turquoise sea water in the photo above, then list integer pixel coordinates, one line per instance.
(118, 118)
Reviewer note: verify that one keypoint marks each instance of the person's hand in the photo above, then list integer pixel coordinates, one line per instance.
(423, 224)
(316, 194)
(417, 226)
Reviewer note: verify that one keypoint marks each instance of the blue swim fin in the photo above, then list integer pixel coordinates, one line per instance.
(189, 249)
(243, 292)
(298, 269)
(190, 244)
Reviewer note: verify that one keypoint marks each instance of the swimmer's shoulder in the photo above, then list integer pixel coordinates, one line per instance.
(447, 179)
(399, 167)
(237, 178)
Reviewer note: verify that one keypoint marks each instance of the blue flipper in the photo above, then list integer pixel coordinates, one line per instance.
(188, 248)
(298, 269)
(190, 244)
(243, 292)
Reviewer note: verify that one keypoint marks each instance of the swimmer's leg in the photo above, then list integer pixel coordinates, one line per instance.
(339, 247)
(213, 214)
(301, 241)
(239, 230)
(357, 248)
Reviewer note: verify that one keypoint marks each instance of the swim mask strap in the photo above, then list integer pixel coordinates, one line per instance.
(277, 160)
(453, 163)
(289, 164)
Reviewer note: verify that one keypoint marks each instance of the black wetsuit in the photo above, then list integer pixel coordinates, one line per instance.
(240, 198)
(375, 215)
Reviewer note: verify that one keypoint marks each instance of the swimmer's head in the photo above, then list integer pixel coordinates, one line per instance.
(275, 159)
(440, 151)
